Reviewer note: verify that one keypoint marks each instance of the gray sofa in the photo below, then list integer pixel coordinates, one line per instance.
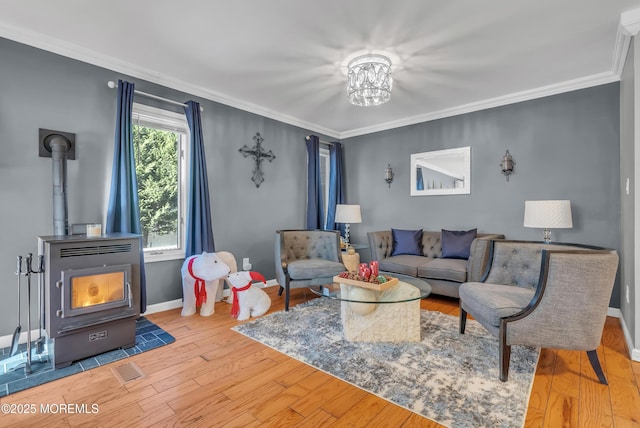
(443, 274)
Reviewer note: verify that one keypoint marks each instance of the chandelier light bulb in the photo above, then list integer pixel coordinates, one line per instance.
(369, 80)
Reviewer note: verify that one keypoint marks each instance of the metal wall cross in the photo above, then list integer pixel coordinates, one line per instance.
(258, 154)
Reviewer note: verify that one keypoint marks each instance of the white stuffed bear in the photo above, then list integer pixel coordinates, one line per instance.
(202, 276)
(248, 299)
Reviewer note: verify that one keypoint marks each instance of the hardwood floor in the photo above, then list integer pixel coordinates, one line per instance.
(212, 376)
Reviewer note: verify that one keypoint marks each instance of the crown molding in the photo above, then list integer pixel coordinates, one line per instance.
(516, 97)
(630, 21)
(628, 27)
(80, 53)
(623, 41)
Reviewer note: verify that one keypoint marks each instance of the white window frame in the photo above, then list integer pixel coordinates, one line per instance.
(170, 121)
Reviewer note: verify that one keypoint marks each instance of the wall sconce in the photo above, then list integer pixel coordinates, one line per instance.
(507, 164)
(388, 175)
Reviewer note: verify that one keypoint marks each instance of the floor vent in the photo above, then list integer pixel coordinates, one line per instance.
(127, 372)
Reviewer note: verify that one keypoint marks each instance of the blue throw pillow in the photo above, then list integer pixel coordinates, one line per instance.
(456, 244)
(406, 242)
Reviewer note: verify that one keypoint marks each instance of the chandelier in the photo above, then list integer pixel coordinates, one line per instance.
(369, 80)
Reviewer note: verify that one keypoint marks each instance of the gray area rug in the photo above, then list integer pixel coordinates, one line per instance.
(447, 377)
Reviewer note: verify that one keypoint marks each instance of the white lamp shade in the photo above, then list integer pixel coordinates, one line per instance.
(348, 214)
(548, 214)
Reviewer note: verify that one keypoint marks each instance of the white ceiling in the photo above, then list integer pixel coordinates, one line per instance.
(285, 59)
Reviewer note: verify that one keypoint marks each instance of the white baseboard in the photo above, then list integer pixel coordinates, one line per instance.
(5, 341)
(614, 312)
(634, 353)
(164, 306)
(173, 304)
(271, 283)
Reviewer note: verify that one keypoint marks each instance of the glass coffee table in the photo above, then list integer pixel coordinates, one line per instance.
(391, 315)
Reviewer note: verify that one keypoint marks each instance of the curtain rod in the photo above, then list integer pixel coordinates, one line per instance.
(113, 85)
(323, 142)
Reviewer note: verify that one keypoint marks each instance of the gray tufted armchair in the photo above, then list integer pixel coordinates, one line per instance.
(544, 296)
(306, 257)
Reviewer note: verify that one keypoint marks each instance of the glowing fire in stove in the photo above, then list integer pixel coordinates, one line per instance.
(97, 289)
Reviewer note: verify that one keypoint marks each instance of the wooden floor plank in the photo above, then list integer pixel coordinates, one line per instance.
(562, 411)
(296, 374)
(244, 420)
(234, 369)
(204, 409)
(161, 398)
(342, 402)
(566, 374)
(317, 419)
(625, 401)
(390, 416)
(535, 417)
(542, 380)
(363, 411)
(111, 404)
(269, 408)
(417, 421)
(247, 403)
(594, 401)
(285, 418)
(320, 395)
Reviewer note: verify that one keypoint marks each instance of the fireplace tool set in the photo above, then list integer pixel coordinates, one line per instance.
(26, 269)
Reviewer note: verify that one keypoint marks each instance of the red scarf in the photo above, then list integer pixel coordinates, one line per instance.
(235, 307)
(199, 287)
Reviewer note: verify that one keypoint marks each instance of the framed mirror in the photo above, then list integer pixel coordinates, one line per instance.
(441, 172)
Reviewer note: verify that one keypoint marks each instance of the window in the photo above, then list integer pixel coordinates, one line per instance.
(160, 142)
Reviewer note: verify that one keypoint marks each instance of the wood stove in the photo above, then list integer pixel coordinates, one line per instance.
(91, 294)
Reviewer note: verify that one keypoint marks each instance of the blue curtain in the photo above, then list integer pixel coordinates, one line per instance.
(336, 185)
(315, 212)
(123, 212)
(419, 179)
(199, 233)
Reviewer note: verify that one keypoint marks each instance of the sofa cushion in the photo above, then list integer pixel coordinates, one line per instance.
(490, 302)
(449, 269)
(405, 264)
(456, 244)
(314, 268)
(431, 244)
(407, 242)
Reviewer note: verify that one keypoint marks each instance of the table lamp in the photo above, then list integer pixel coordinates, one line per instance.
(548, 215)
(348, 214)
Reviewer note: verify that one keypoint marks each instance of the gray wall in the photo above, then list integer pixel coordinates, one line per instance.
(628, 151)
(43, 90)
(565, 147)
